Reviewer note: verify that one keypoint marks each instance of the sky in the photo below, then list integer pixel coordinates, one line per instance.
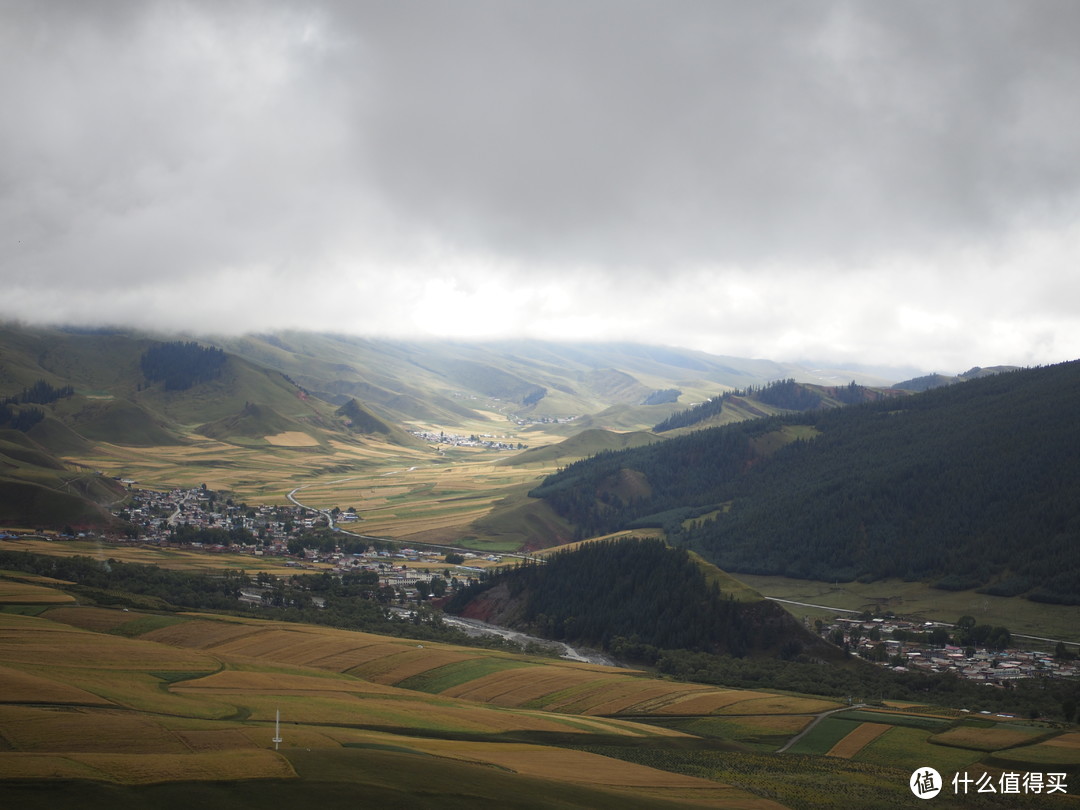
(845, 182)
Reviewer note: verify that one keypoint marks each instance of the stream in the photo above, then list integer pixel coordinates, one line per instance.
(475, 628)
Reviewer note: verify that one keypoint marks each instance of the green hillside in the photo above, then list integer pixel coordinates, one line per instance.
(971, 485)
(582, 445)
(254, 422)
(37, 489)
(362, 420)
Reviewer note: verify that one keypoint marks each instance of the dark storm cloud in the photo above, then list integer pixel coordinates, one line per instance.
(760, 178)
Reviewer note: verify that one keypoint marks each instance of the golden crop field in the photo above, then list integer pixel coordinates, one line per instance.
(23, 593)
(859, 738)
(528, 686)
(69, 730)
(40, 642)
(280, 683)
(1003, 735)
(17, 686)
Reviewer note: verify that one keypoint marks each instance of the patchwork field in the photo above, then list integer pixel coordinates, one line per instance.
(143, 701)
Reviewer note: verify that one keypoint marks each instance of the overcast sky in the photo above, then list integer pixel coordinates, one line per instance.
(890, 182)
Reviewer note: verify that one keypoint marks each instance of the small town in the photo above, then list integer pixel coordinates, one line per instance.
(904, 645)
(473, 440)
(199, 519)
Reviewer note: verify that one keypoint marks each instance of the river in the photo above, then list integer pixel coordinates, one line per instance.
(475, 628)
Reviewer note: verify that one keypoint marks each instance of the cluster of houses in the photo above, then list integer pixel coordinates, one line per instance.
(155, 514)
(889, 642)
(271, 527)
(474, 440)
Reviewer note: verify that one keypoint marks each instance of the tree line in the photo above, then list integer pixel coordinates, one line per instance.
(181, 365)
(40, 393)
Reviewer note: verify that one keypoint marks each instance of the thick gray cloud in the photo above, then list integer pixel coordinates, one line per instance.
(892, 182)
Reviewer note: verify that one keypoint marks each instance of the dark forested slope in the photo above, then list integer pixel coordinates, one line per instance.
(634, 598)
(971, 485)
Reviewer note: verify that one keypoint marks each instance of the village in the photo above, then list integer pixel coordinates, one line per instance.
(909, 645)
(485, 440)
(199, 519)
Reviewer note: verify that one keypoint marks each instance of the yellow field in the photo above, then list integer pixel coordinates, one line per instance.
(23, 593)
(56, 730)
(17, 686)
(985, 739)
(40, 642)
(292, 438)
(280, 683)
(527, 686)
(859, 738)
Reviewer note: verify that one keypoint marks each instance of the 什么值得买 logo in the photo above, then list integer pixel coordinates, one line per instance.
(925, 783)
